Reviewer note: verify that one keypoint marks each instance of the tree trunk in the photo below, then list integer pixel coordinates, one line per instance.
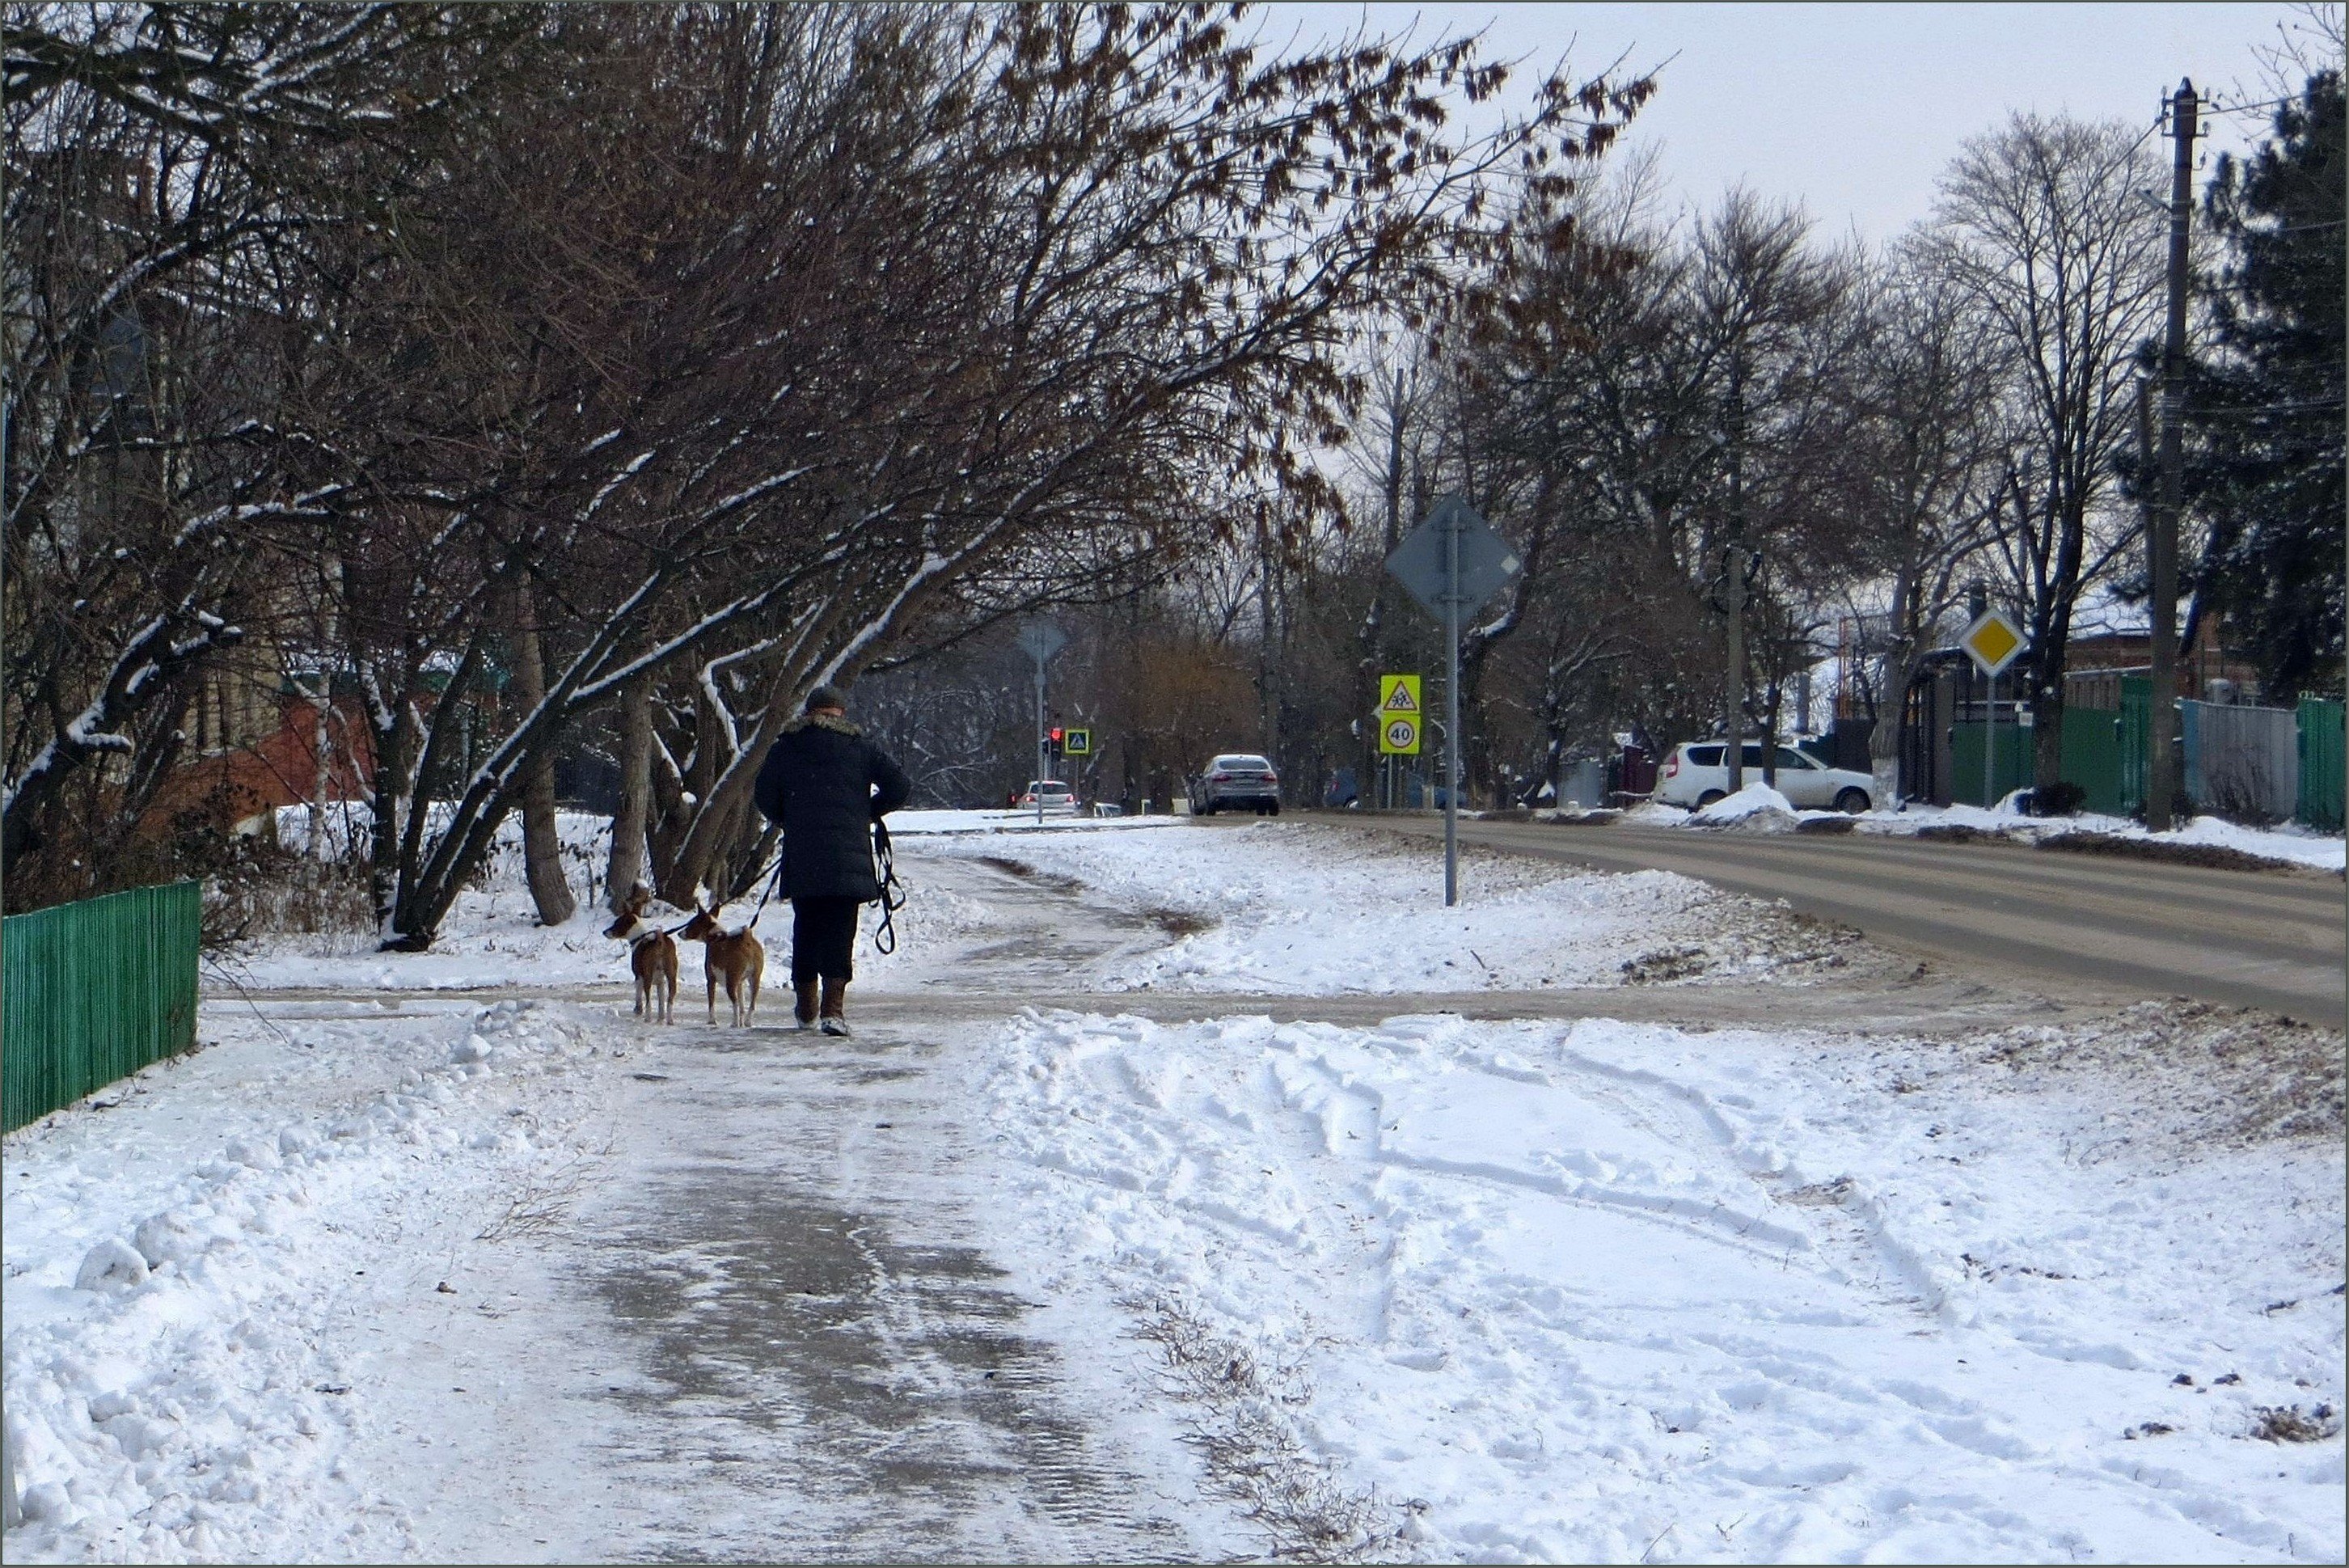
(541, 846)
(625, 867)
(389, 805)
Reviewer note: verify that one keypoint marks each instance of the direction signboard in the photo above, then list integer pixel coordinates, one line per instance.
(1992, 642)
(1041, 640)
(1077, 743)
(1486, 563)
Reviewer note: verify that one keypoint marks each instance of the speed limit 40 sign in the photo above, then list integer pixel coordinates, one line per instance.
(1399, 715)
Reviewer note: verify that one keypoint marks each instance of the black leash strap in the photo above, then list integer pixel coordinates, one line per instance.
(773, 882)
(893, 892)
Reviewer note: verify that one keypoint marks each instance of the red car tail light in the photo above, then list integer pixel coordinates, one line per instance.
(1220, 778)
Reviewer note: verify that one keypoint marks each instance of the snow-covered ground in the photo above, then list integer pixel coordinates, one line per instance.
(1604, 1293)
(1310, 909)
(1759, 808)
(492, 937)
(199, 1264)
(1291, 908)
(1428, 1289)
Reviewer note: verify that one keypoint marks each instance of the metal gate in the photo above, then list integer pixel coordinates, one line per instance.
(2321, 750)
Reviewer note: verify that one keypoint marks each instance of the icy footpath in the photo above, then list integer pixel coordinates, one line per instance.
(1613, 1293)
(187, 1272)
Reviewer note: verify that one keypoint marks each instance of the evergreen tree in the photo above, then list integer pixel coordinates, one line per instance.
(2266, 413)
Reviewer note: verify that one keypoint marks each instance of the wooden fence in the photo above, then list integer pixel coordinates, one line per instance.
(92, 992)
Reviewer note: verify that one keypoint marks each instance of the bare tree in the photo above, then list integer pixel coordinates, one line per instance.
(2041, 226)
(170, 169)
(1930, 435)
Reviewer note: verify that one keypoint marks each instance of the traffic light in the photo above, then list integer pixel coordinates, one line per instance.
(1055, 734)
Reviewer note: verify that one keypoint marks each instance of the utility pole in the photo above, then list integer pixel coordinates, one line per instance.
(1040, 640)
(1452, 706)
(1735, 557)
(2161, 772)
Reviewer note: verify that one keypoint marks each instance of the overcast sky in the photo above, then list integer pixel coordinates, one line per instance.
(1853, 109)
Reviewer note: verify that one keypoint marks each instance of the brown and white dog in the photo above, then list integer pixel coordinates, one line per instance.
(734, 955)
(652, 958)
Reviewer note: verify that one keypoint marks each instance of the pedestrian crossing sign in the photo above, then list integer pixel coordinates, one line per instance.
(1078, 743)
(1399, 715)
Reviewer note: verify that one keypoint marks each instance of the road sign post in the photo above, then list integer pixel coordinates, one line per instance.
(1040, 640)
(1452, 563)
(1992, 642)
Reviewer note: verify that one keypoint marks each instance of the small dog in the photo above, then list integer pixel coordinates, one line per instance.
(652, 958)
(736, 955)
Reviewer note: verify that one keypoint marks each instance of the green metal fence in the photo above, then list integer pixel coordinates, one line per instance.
(2321, 778)
(2092, 756)
(2010, 766)
(2137, 741)
(92, 992)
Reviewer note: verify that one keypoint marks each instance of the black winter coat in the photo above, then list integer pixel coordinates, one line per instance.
(825, 785)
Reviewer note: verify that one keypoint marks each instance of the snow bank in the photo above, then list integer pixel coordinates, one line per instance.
(1756, 808)
(181, 1273)
(1612, 1292)
(2291, 845)
(1305, 909)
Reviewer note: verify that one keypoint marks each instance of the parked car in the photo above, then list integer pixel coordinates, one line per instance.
(1237, 781)
(1696, 773)
(1057, 795)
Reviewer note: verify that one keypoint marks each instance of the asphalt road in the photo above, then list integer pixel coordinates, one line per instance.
(2253, 939)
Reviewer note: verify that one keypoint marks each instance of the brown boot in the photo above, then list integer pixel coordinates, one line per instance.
(835, 1008)
(803, 1005)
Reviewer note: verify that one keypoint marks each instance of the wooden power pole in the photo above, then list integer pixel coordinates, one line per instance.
(2161, 771)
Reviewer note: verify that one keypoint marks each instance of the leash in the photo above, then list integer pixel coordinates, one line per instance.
(893, 892)
(773, 882)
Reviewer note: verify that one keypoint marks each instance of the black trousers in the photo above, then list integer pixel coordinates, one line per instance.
(823, 939)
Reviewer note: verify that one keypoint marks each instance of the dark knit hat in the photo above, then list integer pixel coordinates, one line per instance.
(826, 697)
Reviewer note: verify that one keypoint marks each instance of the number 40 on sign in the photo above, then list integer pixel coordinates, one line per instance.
(1399, 715)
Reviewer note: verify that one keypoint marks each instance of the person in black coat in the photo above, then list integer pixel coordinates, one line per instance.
(825, 785)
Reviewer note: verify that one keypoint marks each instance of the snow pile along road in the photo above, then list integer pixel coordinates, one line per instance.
(189, 1274)
(1759, 808)
(1615, 1293)
(1303, 909)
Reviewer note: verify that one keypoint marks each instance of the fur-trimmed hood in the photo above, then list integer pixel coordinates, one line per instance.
(833, 722)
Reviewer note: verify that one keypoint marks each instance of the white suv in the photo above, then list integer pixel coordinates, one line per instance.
(1696, 773)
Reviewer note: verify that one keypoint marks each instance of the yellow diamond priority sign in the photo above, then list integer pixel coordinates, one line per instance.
(1399, 715)
(1992, 642)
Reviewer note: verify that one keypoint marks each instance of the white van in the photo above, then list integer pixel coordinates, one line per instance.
(1696, 773)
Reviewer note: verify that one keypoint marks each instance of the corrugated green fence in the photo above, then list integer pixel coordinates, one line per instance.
(92, 992)
(2011, 767)
(2320, 781)
(2137, 741)
(2092, 756)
